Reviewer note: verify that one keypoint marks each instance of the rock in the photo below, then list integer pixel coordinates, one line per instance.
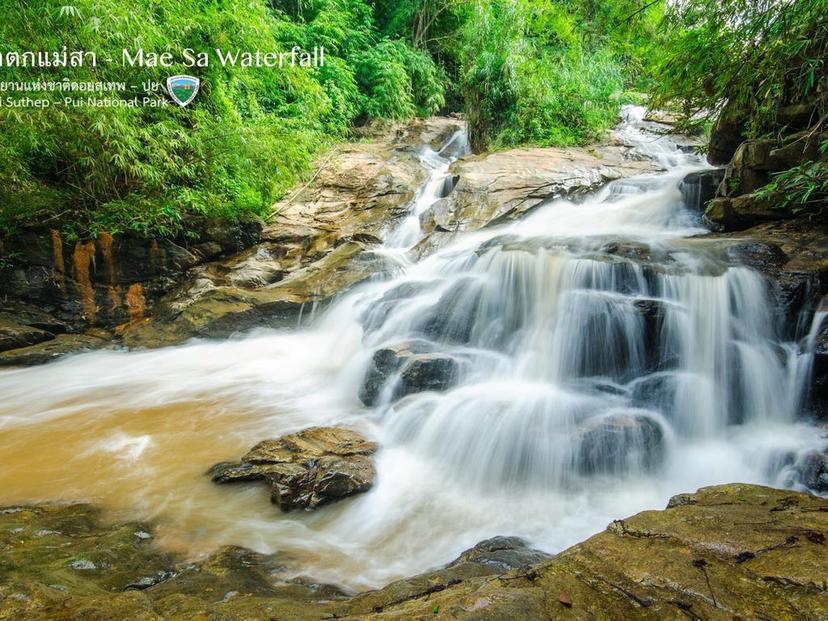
(504, 185)
(619, 443)
(793, 257)
(724, 552)
(492, 557)
(812, 470)
(797, 117)
(307, 469)
(48, 351)
(698, 188)
(411, 368)
(760, 255)
(726, 136)
(742, 212)
(753, 552)
(752, 166)
(90, 283)
(14, 335)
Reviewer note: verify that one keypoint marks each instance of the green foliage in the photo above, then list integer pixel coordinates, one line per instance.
(245, 140)
(803, 188)
(753, 55)
(552, 72)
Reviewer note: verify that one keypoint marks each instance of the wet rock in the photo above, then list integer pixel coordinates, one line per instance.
(756, 254)
(14, 335)
(48, 351)
(812, 470)
(751, 551)
(505, 553)
(409, 368)
(492, 557)
(306, 469)
(698, 188)
(818, 396)
(619, 443)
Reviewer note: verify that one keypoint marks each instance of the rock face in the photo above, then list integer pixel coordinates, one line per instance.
(725, 552)
(306, 469)
(109, 280)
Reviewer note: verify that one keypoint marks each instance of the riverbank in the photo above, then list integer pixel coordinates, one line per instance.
(734, 551)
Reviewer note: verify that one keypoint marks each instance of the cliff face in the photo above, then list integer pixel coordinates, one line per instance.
(725, 552)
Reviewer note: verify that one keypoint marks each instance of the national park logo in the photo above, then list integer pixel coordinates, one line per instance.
(182, 88)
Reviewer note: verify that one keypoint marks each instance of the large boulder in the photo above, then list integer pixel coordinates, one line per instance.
(307, 469)
(408, 367)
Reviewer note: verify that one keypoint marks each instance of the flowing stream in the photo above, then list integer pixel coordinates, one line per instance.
(602, 359)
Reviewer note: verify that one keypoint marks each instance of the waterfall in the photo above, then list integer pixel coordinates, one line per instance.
(581, 364)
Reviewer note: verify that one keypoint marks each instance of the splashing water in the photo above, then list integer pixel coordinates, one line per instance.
(602, 359)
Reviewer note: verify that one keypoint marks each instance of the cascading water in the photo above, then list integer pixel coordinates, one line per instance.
(594, 359)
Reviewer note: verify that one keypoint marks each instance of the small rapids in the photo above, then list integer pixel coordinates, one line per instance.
(597, 358)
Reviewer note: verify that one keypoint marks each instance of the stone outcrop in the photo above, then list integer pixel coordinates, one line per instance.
(751, 167)
(112, 279)
(318, 241)
(725, 552)
(307, 469)
(505, 185)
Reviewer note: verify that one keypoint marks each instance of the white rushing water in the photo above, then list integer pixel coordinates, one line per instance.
(602, 359)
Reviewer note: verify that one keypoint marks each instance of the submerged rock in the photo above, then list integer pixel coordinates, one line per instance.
(307, 469)
(812, 470)
(619, 443)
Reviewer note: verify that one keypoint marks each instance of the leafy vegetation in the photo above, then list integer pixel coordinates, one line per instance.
(242, 143)
(803, 188)
(553, 72)
(755, 56)
(753, 61)
(542, 72)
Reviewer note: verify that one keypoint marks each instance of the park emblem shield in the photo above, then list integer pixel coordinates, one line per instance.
(182, 88)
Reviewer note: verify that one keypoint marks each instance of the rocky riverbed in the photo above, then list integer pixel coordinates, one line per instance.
(725, 552)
